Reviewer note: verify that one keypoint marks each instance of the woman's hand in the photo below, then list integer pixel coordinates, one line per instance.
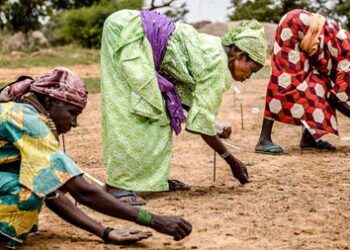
(224, 132)
(126, 237)
(171, 225)
(239, 170)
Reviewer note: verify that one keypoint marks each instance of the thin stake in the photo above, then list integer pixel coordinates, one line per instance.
(235, 91)
(97, 181)
(241, 116)
(64, 151)
(302, 131)
(214, 167)
(230, 145)
(64, 145)
(234, 98)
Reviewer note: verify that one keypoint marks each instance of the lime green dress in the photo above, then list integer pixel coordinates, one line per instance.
(31, 167)
(136, 130)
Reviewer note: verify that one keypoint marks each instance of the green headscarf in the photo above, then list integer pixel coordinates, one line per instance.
(249, 37)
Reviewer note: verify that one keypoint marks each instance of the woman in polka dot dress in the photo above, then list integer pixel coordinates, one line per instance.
(309, 80)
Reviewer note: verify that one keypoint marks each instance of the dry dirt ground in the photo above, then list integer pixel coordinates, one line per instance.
(295, 201)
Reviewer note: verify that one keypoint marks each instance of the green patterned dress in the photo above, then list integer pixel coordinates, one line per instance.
(31, 167)
(136, 131)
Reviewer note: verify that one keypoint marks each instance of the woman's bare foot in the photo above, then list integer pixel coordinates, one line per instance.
(125, 237)
(176, 185)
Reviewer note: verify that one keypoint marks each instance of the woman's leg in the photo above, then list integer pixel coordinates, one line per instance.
(308, 141)
(342, 107)
(265, 144)
(101, 201)
(64, 208)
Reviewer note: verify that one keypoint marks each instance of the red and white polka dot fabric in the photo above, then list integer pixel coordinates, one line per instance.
(300, 85)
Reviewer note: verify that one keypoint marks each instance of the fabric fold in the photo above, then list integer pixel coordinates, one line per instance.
(158, 29)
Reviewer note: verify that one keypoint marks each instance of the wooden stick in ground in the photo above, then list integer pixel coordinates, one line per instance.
(97, 181)
(63, 144)
(242, 116)
(234, 98)
(214, 167)
(230, 145)
(235, 91)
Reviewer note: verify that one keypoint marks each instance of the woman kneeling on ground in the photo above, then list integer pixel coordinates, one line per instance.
(152, 69)
(34, 170)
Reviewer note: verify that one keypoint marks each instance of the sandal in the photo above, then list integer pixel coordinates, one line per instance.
(271, 150)
(320, 145)
(176, 185)
(125, 194)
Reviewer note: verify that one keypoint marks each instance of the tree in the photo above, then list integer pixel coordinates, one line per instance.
(22, 15)
(173, 8)
(84, 25)
(26, 15)
(72, 4)
(343, 11)
(265, 10)
(273, 10)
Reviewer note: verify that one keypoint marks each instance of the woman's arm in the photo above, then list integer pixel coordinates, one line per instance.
(65, 209)
(239, 170)
(101, 201)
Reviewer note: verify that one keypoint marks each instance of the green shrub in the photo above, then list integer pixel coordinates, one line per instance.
(84, 25)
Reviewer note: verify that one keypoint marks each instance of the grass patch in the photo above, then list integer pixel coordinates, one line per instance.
(92, 84)
(263, 73)
(65, 55)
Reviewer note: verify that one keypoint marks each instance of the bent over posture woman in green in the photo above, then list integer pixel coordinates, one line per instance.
(152, 69)
(34, 170)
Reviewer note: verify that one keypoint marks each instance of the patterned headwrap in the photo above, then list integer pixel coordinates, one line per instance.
(60, 83)
(249, 37)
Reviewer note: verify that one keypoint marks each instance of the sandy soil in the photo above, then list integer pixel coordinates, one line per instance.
(296, 201)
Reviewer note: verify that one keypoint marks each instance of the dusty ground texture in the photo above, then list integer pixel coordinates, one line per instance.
(296, 201)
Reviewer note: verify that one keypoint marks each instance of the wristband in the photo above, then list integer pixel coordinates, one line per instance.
(225, 155)
(144, 217)
(106, 232)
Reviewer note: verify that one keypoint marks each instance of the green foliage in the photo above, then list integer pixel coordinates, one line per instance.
(343, 9)
(92, 84)
(71, 4)
(25, 15)
(22, 15)
(273, 10)
(265, 10)
(176, 9)
(264, 73)
(84, 25)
